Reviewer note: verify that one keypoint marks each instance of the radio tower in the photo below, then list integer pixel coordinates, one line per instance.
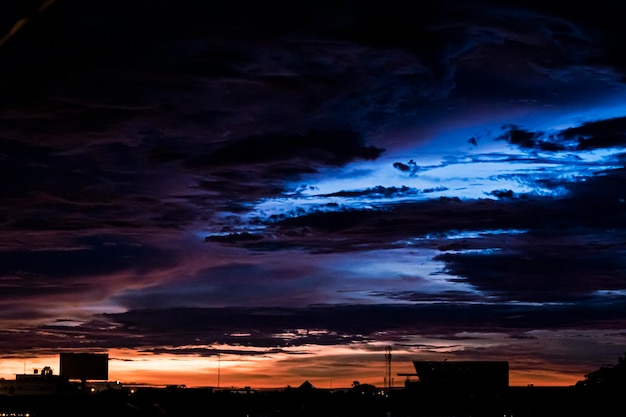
(388, 379)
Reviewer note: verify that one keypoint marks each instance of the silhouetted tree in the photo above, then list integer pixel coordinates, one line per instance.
(363, 389)
(607, 376)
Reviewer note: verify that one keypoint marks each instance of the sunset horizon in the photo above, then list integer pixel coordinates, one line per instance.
(229, 371)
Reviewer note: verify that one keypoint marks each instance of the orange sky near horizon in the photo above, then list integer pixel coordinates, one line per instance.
(338, 368)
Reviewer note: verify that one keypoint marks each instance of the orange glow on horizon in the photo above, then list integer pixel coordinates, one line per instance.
(542, 378)
(9, 367)
(327, 369)
(334, 367)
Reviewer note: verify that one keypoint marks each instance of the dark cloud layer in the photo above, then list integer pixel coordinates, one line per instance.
(598, 134)
(178, 175)
(284, 327)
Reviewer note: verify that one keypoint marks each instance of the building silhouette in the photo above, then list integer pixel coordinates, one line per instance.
(73, 366)
(463, 374)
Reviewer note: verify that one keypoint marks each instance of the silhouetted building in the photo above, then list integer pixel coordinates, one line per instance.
(459, 388)
(455, 374)
(461, 374)
(82, 366)
(85, 366)
(306, 386)
(37, 383)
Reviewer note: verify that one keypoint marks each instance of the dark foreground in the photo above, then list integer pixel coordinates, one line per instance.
(180, 402)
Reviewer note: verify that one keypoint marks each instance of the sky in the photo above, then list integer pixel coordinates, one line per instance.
(261, 193)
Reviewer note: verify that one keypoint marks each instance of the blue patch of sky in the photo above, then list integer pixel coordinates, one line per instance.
(611, 293)
(452, 167)
(469, 234)
(448, 165)
(391, 271)
(612, 107)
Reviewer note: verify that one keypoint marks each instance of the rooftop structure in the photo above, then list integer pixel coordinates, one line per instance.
(458, 374)
(37, 383)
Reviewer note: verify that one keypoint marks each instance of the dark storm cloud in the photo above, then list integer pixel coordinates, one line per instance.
(598, 134)
(599, 200)
(230, 174)
(387, 223)
(258, 166)
(503, 194)
(234, 284)
(156, 329)
(529, 140)
(203, 352)
(354, 320)
(545, 273)
(196, 67)
(24, 163)
(34, 283)
(92, 257)
(571, 246)
(328, 148)
(107, 189)
(377, 192)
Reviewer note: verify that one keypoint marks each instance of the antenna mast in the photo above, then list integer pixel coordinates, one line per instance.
(388, 379)
(219, 366)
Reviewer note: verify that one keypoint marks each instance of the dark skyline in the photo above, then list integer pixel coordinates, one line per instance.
(296, 185)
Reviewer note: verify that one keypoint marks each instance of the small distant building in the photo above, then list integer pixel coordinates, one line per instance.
(306, 386)
(37, 383)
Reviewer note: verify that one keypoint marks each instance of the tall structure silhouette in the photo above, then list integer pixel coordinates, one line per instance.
(219, 368)
(388, 379)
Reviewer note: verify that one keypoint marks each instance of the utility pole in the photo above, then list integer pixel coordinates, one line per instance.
(388, 379)
(219, 366)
